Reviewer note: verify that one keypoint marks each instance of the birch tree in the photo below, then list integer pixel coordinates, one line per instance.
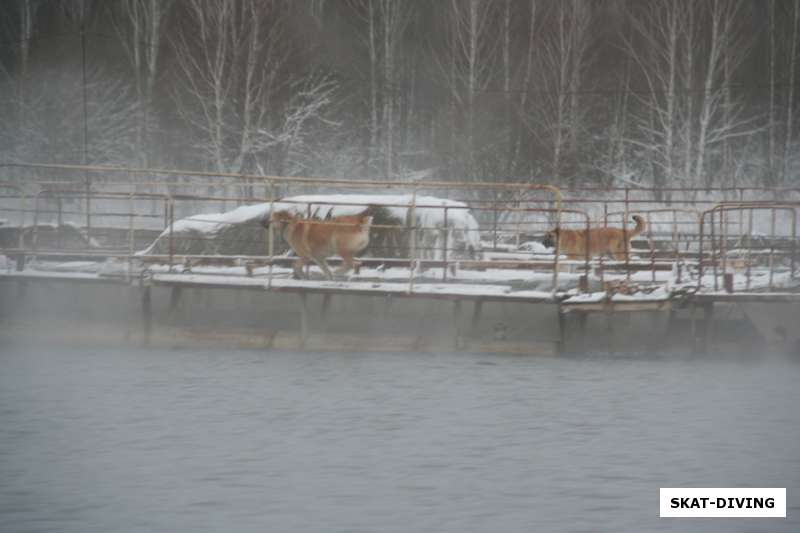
(771, 30)
(563, 59)
(230, 62)
(236, 90)
(141, 29)
(793, 44)
(521, 105)
(722, 16)
(687, 54)
(27, 10)
(53, 128)
(395, 17)
(657, 30)
(468, 66)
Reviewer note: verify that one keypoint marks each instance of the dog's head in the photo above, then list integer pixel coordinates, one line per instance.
(550, 238)
(279, 219)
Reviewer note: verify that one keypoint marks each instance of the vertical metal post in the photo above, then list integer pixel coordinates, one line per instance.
(20, 258)
(476, 315)
(601, 272)
(413, 241)
(794, 242)
(708, 325)
(21, 236)
(88, 210)
(652, 248)
(413, 245)
(444, 246)
(303, 319)
(562, 331)
(772, 248)
(457, 341)
(171, 210)
(700, 253)
(166, 213)
(494, 223)
(271, 231)
(35, 232)
(723, 221)
(308, 217)
(714, 250)
(147, 314)
(60, 223)
(675, 245)
(749, 246)
(625, 235)
(174, 299)
(584, 286)
(131, 236)
(518, 205)
(741, 212)
(727, 282)
(87, 180)
(557, 250)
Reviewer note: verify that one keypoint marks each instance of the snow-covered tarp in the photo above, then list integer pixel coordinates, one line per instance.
(440, 222)
(67, 236)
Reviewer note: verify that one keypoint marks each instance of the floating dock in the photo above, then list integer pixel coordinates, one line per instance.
(705, 276)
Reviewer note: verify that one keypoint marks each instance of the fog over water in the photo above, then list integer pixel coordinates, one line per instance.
(186, 440)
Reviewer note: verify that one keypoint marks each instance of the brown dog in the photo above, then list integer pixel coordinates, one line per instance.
(611, 241)
(314, 240)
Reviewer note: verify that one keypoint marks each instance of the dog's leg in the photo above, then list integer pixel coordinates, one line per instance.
(323, 265)
(618, 252)
(347, 262)
(297, 267)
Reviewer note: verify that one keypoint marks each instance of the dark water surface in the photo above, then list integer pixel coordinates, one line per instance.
(157, 440)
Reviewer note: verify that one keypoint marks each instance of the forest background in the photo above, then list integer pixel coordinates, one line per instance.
(575, 92)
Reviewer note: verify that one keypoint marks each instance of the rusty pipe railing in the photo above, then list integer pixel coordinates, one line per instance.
(172, 203)
(722, 209)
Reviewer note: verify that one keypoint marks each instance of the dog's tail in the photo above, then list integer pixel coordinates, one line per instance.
(640, 226)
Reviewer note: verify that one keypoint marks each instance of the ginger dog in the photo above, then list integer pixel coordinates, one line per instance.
(315, 240)
(611, 241)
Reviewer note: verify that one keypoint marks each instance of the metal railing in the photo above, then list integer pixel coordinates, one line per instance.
(677, 237)
(719, 237)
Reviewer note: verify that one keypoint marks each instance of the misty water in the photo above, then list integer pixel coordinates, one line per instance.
(186, 440)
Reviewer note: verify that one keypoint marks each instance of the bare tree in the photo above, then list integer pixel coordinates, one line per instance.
(27, 9)
(368, 12)
(658, 30)
(558, 116)
(682, 121)
(291, 135)
(521, 105)
(790, 103)
(53, 127)
(468, 64)
(395, 17)
(772, 30)
(230, 54)
(251, 112)
(140, 30)
(721, 13)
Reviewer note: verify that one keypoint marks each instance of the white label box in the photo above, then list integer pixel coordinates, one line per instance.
(723, 502)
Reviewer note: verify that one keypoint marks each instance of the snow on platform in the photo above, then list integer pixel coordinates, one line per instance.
(640, 287)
